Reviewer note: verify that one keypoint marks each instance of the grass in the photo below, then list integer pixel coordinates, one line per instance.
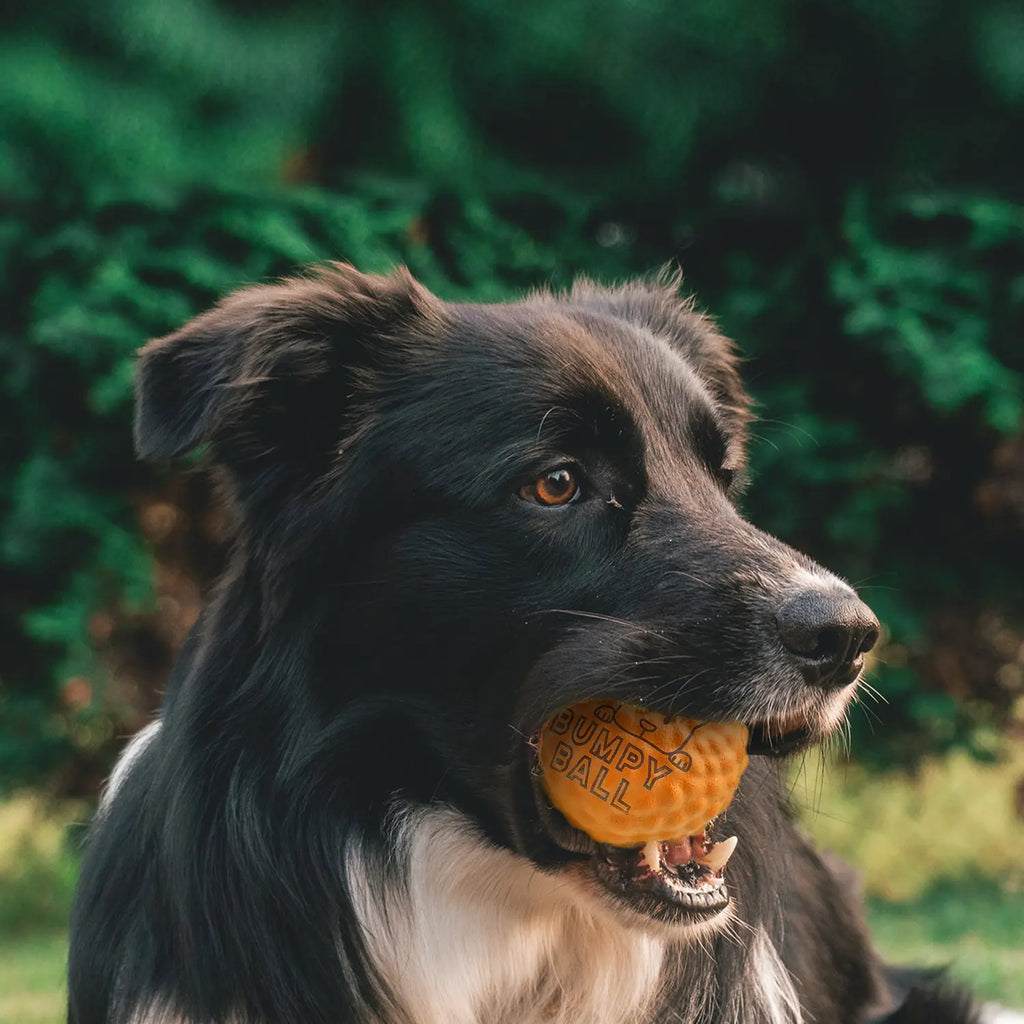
(38, 864)
(977, 930)
(32, 987)
(952, 820)
(939, 853)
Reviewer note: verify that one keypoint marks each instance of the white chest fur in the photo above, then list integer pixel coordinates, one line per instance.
(480, 935)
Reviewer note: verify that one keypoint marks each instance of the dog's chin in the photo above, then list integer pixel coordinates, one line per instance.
(682, 883)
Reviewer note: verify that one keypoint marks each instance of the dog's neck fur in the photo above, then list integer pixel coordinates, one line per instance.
(480, 935)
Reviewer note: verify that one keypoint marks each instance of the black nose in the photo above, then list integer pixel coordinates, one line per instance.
(826, 631)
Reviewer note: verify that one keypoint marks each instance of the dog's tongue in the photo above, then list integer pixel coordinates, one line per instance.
(679, 851)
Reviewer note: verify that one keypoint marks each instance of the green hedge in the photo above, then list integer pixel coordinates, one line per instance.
(839, 183)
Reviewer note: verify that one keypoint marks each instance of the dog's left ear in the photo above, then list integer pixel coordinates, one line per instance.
(266, 374)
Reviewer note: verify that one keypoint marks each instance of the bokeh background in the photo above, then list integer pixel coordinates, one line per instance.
(842, 185)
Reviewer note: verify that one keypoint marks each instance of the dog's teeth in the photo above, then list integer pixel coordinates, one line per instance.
(652, 854)
(718, 856)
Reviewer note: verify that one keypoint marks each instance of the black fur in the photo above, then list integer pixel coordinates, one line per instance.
(397, 621)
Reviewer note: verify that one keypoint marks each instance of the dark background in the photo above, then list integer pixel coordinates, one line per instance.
(840, 182)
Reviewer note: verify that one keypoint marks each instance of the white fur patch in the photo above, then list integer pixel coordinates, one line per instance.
(773, 995)
(480, 936)
(129, 756)
(993, 1014)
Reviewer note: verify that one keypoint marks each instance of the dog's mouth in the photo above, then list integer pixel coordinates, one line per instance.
(677, 881)
(780, 735)
(682, 878)
(672, 881)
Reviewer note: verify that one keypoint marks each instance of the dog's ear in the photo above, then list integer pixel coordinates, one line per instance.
(270, 366)
(659, 307)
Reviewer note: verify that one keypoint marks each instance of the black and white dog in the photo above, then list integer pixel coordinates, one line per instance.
(452, 521)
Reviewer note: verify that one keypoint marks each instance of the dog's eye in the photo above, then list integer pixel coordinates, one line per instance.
(558, 487)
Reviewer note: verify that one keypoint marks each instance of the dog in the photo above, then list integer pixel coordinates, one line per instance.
(452, 521)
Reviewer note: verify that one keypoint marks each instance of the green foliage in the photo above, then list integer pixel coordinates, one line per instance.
(931, 308)
(826, 174)
(886, 822)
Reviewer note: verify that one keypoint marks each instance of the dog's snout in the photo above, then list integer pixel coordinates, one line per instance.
(827, 631)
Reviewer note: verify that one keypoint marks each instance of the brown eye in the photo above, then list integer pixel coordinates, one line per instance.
(558, 487)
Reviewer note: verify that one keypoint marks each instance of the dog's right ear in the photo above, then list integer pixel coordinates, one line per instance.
(268, 363)
(179, 380)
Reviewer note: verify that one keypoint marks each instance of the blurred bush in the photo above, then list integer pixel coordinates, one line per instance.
(839, 182)
(945, 827)
(38, 864)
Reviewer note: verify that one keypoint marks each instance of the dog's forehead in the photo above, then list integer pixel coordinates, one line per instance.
(548, 356)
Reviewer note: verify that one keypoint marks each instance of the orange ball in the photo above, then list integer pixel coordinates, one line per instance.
(626, 776)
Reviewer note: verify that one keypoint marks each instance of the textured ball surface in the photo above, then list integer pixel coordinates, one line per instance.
(626, 776)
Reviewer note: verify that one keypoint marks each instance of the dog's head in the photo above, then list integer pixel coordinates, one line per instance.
(460, 519)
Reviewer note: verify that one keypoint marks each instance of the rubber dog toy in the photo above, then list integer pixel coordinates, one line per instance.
(628, 777)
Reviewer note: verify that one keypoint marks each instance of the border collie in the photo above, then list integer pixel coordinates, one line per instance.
(453, 520)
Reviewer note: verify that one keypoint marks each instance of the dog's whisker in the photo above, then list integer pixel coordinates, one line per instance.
(870, 714)
(764, 439)
(690, 576)
(796, 428)
(636, 627)
(678, 685)
(544, 419)
(872, 692)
